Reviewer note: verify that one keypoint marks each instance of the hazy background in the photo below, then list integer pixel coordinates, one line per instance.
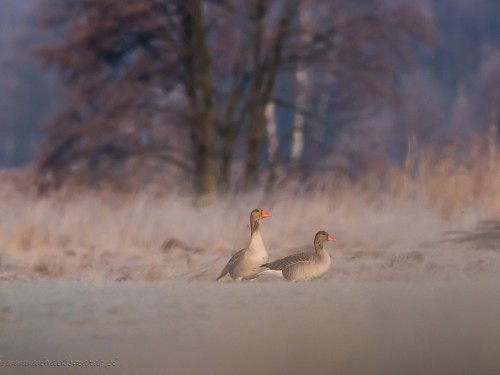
(137, 136)
(448, 92)
(374, 120)
(362, 117)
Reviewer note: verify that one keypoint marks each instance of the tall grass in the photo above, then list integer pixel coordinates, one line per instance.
(97, 233)
(462, 176)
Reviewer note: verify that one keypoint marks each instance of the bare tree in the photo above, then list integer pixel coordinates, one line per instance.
(190, 81)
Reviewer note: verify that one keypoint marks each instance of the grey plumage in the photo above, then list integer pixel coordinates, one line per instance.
(245, 264)
(288, 261)
(234, 259)
(303, 266)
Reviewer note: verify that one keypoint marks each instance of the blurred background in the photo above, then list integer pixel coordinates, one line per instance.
(215, 95)
(137, 135)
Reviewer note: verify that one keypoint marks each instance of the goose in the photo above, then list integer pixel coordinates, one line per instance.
(245, 264)
(302, 266)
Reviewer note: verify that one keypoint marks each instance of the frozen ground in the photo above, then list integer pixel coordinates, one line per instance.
(322, 327)
(129, 280)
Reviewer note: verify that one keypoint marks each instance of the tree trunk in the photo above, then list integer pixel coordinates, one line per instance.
(199, 90)
(266, 75)
(255, 116)
(255, 141)
(209, 174)
(273, 143)
(299, 120)
(323, 107)
(302, 80)
(227, 140)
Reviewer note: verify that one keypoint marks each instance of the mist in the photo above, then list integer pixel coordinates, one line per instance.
(136, 138)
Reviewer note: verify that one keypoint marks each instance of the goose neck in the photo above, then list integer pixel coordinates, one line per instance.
(254, 226)
(318, 247)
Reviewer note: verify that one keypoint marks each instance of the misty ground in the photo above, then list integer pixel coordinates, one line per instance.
(104, 236)
(321, 327)
(129, 280)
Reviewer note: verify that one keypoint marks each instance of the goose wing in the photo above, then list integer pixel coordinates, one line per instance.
(288, 261)
(234, 259)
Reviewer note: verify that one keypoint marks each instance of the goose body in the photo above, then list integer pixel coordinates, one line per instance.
(245, 263)
(302, 266)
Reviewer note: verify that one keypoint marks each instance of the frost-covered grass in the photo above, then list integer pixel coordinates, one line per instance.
(381, 223)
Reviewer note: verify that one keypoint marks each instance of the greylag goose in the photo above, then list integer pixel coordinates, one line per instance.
(302, 266)
(245, 264)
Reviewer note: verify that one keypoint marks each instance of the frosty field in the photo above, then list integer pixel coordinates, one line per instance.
(124, 284)
(322, 327)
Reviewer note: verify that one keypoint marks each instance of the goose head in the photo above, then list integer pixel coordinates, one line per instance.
(322, 237)
(258, 214)
(255, 216)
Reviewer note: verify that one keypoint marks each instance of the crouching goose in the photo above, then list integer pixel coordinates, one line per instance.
(245, 264)
(302, 266)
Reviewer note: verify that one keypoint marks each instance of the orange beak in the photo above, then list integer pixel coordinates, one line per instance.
(265, 213)
(331, 238)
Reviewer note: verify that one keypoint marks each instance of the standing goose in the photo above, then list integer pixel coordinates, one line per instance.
(245, 264)
(302, 266)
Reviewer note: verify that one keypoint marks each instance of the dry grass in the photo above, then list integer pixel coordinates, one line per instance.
(458, 178)
(380, 221)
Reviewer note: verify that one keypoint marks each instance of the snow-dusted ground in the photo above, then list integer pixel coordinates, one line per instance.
(128, 281)
(321, 327)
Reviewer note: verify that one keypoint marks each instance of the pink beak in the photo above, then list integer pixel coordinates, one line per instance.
(331, 238)
(265, 213)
